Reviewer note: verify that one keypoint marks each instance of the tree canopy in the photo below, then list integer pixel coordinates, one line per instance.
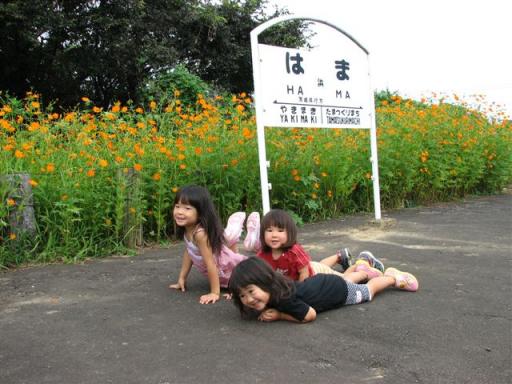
(109, 49)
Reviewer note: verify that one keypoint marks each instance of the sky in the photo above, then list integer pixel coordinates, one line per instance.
(419, 47)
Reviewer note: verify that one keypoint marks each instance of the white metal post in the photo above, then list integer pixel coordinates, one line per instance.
(260, 128)
(373, 149)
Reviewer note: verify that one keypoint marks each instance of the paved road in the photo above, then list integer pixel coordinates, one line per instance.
(115, 321)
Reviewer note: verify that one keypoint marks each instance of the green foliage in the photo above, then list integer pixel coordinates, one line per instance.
(109, 50)
(97, 175)
(178, 80)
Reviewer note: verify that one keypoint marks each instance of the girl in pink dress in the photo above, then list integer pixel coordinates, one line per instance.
(199, 225)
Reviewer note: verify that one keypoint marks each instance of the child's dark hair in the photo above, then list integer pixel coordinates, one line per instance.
(208, 218)
(257, 271)
(280, 219)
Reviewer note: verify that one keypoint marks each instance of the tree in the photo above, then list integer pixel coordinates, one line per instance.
(109, 49)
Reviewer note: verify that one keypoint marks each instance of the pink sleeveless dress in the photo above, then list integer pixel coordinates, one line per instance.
(226, 260)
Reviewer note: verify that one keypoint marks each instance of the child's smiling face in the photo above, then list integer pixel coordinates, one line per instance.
(185, 215)
(254, 297)
(276, 237)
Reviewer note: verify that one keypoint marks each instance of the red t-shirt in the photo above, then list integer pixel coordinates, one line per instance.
(290, 262)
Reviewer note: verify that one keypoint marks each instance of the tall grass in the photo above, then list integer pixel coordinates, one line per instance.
(79, 162)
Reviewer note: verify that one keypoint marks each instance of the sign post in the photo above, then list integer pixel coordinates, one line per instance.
(328, 87)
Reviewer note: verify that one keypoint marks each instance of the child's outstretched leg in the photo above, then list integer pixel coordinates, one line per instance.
(393, 278)
(252, 240)
(234, 229)
(361, 271)
(403, 280)
(342, 257)
(359, 293)
(372, 260)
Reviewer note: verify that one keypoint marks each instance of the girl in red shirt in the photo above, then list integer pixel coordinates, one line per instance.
(280, 249)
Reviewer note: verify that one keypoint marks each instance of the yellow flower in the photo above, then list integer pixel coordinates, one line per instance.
(85, 99)
(152, 105)
(174, 189)
(33, 183)
(103, 163)
(12, 236)
(11, 202)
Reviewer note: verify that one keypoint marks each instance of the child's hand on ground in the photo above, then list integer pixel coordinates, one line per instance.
(269, 315)
(228, 296)
(180, 285)
(210, 298)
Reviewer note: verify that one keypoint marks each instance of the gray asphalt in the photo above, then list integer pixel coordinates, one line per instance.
(115, 321)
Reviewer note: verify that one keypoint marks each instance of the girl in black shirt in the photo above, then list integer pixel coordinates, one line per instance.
(261, 292)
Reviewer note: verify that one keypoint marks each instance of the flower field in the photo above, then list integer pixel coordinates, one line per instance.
(97, 174)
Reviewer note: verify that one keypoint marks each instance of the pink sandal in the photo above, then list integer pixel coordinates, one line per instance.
(252, 240)
(234, 228)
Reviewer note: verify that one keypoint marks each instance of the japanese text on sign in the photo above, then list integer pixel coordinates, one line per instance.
(302, 88)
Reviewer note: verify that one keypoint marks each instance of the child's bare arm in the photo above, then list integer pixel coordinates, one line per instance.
(186, 264)
(274, 315)
(213, 274)
(303, 273)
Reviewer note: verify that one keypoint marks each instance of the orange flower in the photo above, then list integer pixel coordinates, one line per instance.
(198, 150)
(246, 132)
(85, 99)
(18, 154)
(96, 109)
(156, 176)
(137, 167)
(11, 202)
(34, 126)
(12, 236)
(152, 105)
(183, 166)
(50, 167)
(91, 173)
(103, 163)
(33, 183)
(296, 178)
(295, 172)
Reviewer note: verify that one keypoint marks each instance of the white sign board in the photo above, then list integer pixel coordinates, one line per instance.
(328, 86)
(314, 88)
